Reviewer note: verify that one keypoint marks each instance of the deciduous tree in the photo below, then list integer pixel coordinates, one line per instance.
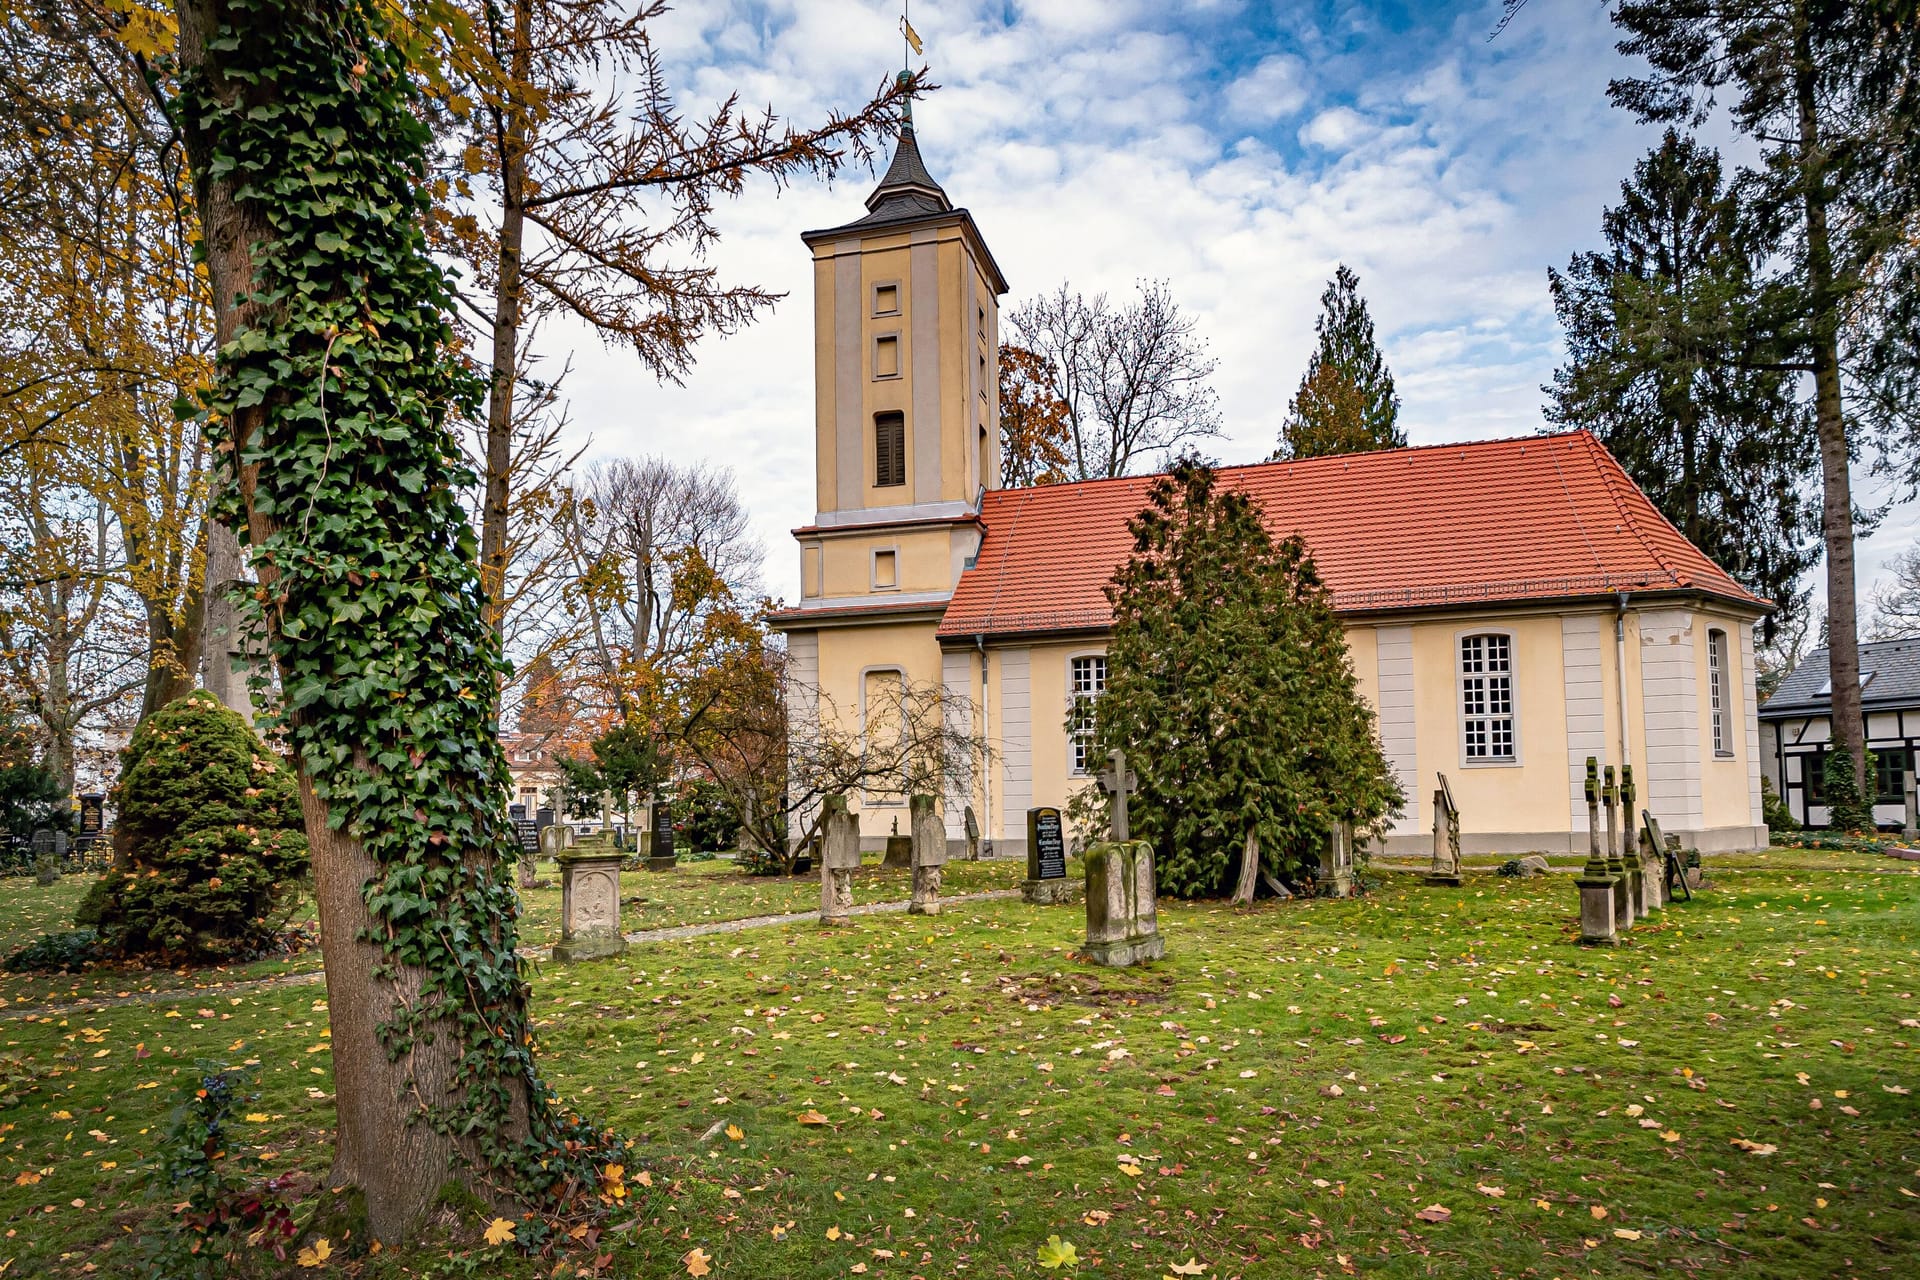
(1035, 424)
(1133, 376)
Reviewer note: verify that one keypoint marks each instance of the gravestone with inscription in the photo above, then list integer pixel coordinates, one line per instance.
(93, 814)
(1046, 881)
(1123, 921)
(590, 900)
(660, 853)
(839, 859)
(929, 836)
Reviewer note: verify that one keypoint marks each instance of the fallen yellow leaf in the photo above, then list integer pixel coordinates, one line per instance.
(499, 1231)
(698, 1261)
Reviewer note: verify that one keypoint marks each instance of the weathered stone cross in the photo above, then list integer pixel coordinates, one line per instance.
(1119, 782)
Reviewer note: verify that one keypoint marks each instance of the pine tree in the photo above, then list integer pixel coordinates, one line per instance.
(1830, 92)
(1672, 363)
(1346, 402)
(1230, 689)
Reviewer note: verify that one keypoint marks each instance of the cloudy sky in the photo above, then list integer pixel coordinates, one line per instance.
(1238, 149)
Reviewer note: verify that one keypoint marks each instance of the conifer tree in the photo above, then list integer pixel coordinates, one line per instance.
(1346, 402)
(1673, 363)
(1230, 689)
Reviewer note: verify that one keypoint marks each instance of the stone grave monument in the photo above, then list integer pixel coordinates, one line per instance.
(839, 859)
(590, 900)
(1595, 881)
(1046, 881)
(1646, 889)
(973, 836)
(1616, 865)
(660, 854)
(1446, 837)
(929, 836)
(46, 863)
(899, 848)
(1334, 879)
(1123, 923)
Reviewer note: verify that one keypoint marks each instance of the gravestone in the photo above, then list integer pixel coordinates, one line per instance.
(1446, 837)
(1596, 883)
(1334, 879)
(526, 834)
(46, 863)
(929, 836)
(973, 836)
(93, 814)
(1123, 921)
(839, 859)
(1616, 865)
(899, 848)
(1046, 881)
(660, 853)
(590, 900)
(1646, 885)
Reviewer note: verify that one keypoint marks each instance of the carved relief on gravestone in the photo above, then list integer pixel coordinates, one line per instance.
(590, 900)
(1046, 881)
(929, 837)
(839, 859)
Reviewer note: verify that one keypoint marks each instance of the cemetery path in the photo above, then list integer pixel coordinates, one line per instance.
(183, 995)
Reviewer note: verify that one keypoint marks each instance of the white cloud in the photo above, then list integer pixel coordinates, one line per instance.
(1274, 90)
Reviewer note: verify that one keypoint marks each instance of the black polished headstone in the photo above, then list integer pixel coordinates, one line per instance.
(93, 813)
(1046, 845)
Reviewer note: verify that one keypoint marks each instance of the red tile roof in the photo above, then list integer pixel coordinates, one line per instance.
(1543, 517)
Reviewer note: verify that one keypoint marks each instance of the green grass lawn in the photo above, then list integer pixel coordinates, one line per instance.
(1285, 1095)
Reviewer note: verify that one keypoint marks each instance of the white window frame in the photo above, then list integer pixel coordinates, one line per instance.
(1465, 683)
(1080, 737)
(1719, 666)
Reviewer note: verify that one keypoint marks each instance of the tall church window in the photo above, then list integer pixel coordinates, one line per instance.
(889, 448)
(1717, 691)
(1087, 680)
(1486, 696)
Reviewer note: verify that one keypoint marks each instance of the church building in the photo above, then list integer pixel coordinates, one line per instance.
(1512, 607)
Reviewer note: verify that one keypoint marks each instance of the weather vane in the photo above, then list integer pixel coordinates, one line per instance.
(912, 37)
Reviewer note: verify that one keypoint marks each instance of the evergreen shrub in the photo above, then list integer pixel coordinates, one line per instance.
(212, 852)
(1847, 808)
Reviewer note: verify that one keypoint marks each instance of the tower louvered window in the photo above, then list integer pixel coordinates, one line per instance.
(889, 448)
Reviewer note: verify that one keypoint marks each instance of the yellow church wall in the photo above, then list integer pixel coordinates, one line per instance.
(1363, 651)
(1724, 778)
(1526, 796)
(923, 561)
(847, 655)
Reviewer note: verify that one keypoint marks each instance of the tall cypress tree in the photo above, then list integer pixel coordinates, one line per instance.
(1230, 689)
(1346, 402)
(1673, 364)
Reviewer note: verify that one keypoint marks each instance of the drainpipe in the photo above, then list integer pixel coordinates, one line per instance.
(1620, 666)
(986, 764)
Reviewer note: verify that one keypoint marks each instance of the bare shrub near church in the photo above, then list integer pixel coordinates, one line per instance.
(913, 741)
(1230, 689)
(1133, 376)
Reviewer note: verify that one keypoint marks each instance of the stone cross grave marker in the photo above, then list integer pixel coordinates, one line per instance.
(1595, 881)
(839, 858)
(1046, 858)
(590, 900)
(1118, 782)
(1646, 887)
(929, 836)
(1616, 865)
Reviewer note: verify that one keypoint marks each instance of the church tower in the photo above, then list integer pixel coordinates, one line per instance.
(906, 395)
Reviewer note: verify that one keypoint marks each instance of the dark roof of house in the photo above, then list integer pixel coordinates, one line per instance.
(1439, 526)
(1889, 676)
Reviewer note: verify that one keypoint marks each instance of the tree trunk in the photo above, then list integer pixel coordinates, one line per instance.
(1249, 870)
(222, 668)
(506, 320)
(173, 648)
(382, 1146)
(1836, 490)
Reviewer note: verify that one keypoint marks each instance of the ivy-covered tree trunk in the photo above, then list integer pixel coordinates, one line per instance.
(334, 386)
